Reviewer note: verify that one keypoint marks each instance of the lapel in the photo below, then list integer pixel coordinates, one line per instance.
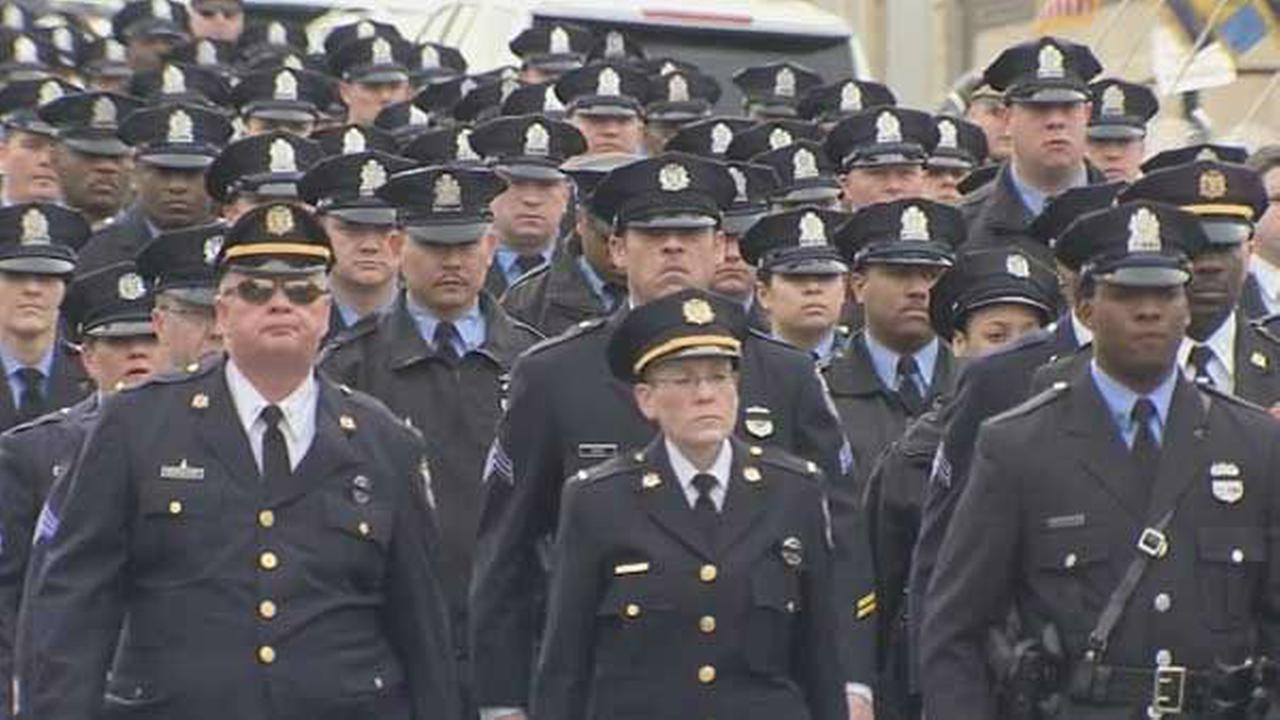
(853, 373)
(568, 289)
(744, 501)
(1095, 441)
(502, 341)
(1005, 212)
(1182, 449)
(1252, 303)
(219, 426)
(330, 452)
(667, 504)
(406, 345)
(1255, 379)
(943, 370)
(1065, 341)
(68, 382)
(494, 281)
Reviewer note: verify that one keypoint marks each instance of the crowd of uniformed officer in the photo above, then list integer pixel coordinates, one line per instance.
(343, 383)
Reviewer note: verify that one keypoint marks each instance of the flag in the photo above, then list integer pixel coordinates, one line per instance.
(1239, 26)
(1057, 14)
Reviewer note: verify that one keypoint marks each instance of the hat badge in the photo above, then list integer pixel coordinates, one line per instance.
(780, 138)
(698, 312)
(537, 141)
(1213, 184)
(1050, 63)
(784, 83)
(677, 88)
(1017, 266)
(276, 34)
(462, 146)
(947, 135)
(12, 17)
(49, 92)
(1144, 231)
(673, 177)
(850, 97)
(35, 228)
(804, 164)
(206, 53)
(292, 61)
(1113, 101)
(721, 136)
(103, 112)
(888, 128)
(365, 30)
(380, 52)
(24, 50)
(914, 225)
(607, 82)
(447, 192)
(813, 232)
(667, 67)
(550, 101)
(280, 220)
(429, 58)
(614, 45)
(353, 141)
(739, 183)
(418, 116)
(113, 51)
(212, 246)
(558, 42)
(372, 176)
(181, 127)
(130, 287)
(1208, 154)
(283, 157)
(286, 86)
(62, 39)
(507, 87)
(172, 80)
(160, 9)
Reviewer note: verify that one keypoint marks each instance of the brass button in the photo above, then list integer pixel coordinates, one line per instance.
(1162, 602)
(266, 518)
(632, 610)
(1070, 561)
(267, 654)
(267, 609)
(706, 674)
(175, 507)
(363, 527)
(707, 624)
(708, 573)
(268, 560)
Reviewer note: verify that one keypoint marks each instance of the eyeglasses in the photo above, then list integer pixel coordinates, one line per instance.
(259, 291)
(690, 382)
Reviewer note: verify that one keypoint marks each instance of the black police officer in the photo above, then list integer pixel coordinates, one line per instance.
(282, 527)
(692, 576)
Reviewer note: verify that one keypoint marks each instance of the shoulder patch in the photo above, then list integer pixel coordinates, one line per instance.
(774, 457)
(52, 418)
(1264, 328)
(179, 376)
(583, 328)
(1053, 394)
(1219, 394)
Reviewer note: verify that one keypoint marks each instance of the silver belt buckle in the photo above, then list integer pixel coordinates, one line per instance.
(1153, 543)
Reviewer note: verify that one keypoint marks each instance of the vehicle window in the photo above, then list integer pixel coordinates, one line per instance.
(437, 24)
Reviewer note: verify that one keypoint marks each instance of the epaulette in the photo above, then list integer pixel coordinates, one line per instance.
(614, 466)
(573, 331)
(364, 326)
(784, 460)
(189, 371)
(757, 334)
(49, 418)
(1219, 394)
(1052, 393)
(1263, 326)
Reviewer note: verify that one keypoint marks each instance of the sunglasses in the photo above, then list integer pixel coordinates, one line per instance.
(259, 291)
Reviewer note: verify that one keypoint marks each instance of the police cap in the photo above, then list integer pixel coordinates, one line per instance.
(109, 302)
(181, 262)
(40, 238)
(911, 231)
(1044, 70)
(671, 190)
(687, 324)
(986, 277)
(796, 242)
(1140, 244)
(442, 204)
(278, 239)
(346, 186)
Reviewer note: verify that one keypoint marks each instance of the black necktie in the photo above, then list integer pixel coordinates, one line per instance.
(615, 293)
(444, 342)
(1146, 451)
(275, 454)
(529, 263)
(1201, 356)
(31, 403)
(908, 389)
(704, 509)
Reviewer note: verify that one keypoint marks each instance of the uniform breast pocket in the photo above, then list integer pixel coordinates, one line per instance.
(775, 604)
(634, 614)
(361, 534)
(179, 523)
(1230, 561)
(1064, 561)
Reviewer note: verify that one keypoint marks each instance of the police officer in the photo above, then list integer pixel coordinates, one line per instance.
(526, 152)
(1045, 88)
(831, 103)
(173, 147)
(325, 602)
(567, 413)
(580, 282)
(801, 278)
(1125, 470)
(149, 29)
(362, 231)
(372, 73)
(735, 278)
(105, 66)
(282, 99)
(806, 177)
(881, 154)
(110, 312)
(217, 19)
(259, 169)
(961, 149)
(774, 90)
(987, 301)
(698, 566)
(94, 166)
(985, 108)
(26, 155)
(548, 51)
(42, 370)
(1222, 346)
(1117, 134)
(178, 267)
(605, 101)
(676, 97)
(441, 357)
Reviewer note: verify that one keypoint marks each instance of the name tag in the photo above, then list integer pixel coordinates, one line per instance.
(181, 471)
(597, 451)
(1064, 521)
(631, 568)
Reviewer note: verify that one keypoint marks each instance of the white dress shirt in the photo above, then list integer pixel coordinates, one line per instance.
(684, 470)
(298, 408)
(1223, 366)
(1268, 277)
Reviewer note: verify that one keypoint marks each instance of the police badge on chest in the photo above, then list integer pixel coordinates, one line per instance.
(1225, 482)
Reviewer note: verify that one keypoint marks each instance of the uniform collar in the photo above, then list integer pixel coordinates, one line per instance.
(1119, 399)
(1223, 344)
(470, 326)
(13, 364)
(1084, 336)
(720, 469)
(1034, 199)
(506, 259)
(1268, 279)
(298, 407)
(885, 362)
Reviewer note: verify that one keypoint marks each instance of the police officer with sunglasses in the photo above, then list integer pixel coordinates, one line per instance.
(272, 557)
